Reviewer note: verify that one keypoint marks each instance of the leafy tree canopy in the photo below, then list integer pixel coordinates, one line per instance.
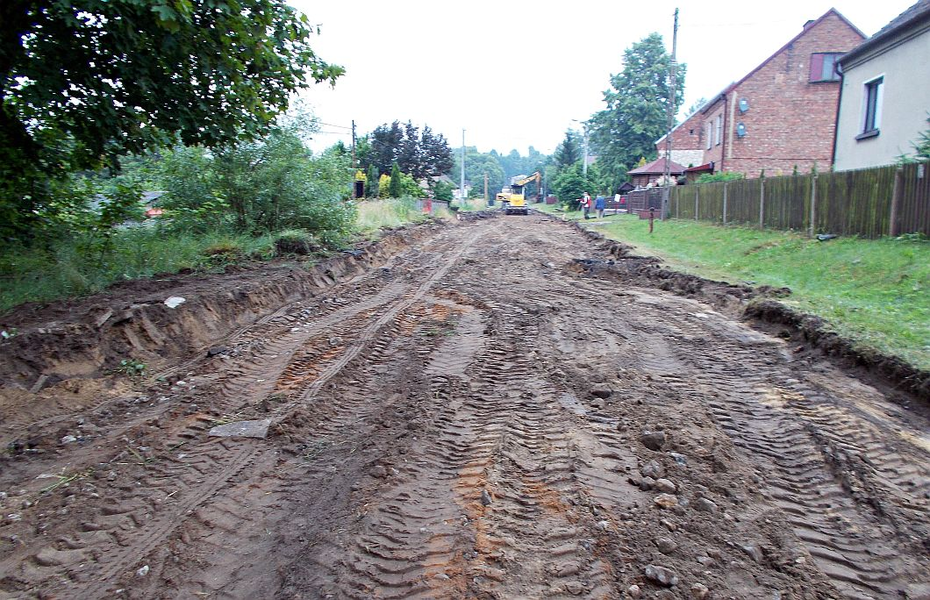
(419, 154)
(636, 113)
(84, 81)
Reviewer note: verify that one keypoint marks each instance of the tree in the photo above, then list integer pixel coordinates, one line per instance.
(84, 81)
(569, 187)
(371, 183)
(569, 151)
(636, 113)
(396, 186)
(421, 155)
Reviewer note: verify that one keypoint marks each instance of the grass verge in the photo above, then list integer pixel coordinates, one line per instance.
(874, 292)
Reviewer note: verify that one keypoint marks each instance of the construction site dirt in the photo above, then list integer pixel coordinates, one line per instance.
(497, 407)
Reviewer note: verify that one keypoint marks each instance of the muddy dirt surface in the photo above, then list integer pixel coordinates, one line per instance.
(501, 408)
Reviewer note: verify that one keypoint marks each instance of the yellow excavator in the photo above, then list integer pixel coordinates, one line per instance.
(512, 199)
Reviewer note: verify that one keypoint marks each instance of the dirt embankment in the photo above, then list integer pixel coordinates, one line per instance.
(131, 321)
(760, 305)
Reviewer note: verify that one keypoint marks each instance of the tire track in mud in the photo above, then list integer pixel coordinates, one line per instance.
(212, 470)
(802, 441)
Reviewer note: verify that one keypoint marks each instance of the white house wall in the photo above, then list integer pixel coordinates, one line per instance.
(905, 105)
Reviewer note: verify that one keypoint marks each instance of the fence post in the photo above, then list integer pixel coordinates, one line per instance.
(697, 191)
(813, 224)
(762, 201)
(724, 202)
(896, 198)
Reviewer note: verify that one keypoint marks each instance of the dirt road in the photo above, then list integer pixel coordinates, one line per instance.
(495, 411)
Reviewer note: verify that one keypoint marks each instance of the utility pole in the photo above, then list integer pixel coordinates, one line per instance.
(462, 186)
(673, 82)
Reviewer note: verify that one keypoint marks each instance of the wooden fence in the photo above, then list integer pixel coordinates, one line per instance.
(868, 202)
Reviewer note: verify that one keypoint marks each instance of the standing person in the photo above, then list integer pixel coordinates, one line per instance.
(586, 204)
(599, 203)
(617, 202)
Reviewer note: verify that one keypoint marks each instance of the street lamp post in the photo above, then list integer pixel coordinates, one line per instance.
(584, 162)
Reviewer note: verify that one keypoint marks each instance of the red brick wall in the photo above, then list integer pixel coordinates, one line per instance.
(790, 121)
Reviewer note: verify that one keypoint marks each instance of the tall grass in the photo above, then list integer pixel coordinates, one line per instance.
(374, 215)
(876, 292)
(70, 268)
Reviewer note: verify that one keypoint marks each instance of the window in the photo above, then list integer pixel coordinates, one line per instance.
(718, 130)
(823, 66)
(872, 115)
(707, 130)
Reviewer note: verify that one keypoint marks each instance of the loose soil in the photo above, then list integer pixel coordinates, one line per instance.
(504, 407)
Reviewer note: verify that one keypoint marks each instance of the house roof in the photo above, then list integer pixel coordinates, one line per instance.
(912, 16)
(657, 167)
(705, 168)
(714, 99)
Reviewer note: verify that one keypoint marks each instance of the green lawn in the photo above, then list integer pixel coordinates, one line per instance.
(876, 292)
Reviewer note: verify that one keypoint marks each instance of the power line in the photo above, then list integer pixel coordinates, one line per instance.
(333, 125)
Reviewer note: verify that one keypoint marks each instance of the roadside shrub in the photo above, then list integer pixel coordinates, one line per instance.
(295, 241)
(725, 176)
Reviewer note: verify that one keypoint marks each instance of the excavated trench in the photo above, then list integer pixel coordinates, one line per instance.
(498, 408)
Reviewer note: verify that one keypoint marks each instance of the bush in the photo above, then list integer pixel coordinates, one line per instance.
(725, 176)
(295, 241)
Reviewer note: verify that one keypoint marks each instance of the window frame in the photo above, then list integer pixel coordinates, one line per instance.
(873, 92)
(816, 71)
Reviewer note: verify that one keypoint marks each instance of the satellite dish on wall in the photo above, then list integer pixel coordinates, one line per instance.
(743, 105)
(740, 130)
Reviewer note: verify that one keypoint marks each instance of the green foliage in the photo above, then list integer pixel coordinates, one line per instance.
(394, 189)
(131, 367)
(420, 155)
(442, 191)
(256, 187)
(83, 82)
(295, 241)
(477, 165)
(570, 151)
(636, 113)
(724, 176)
(384, 186)
(569, 186)
(371, 182)
(921, 149)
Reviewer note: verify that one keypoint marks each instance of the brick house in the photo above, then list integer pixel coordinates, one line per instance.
(780, 116)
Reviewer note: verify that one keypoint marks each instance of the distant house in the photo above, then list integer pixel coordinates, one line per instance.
(648, 175)
(780, 116)
(885, 95)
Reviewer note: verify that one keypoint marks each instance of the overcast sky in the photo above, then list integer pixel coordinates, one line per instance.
(515, 74)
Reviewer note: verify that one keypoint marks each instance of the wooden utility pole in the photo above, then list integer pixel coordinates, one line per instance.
(672, 82)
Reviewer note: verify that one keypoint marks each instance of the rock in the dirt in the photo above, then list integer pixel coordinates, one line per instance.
(602, 393)
(634, 592)
(486, 498)
(699, 591)
(249, 429)
(666, 500)
(379, 471)
(652, 469)
(68, 439)
(753, 551)
(705, 505)
(143, 571)
(646, 483)
(216, 350)
(664, 485)
(666, 545)
(654, 440)
(174, 301)
(575, 588)
(49, 557)
(661, 575)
